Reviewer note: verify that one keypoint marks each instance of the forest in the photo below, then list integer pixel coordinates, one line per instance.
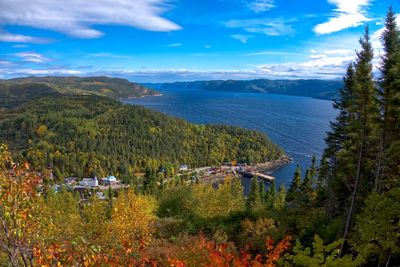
(320, 89)
(344, 211)
(84, 136)
(16, 91)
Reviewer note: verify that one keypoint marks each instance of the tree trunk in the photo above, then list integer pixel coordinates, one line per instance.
(378, 171)
(388, 259)
(353, 197)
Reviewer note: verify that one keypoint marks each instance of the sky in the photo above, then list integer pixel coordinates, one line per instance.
(186, 40)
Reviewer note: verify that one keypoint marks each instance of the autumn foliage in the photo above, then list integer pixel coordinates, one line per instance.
(43, 228)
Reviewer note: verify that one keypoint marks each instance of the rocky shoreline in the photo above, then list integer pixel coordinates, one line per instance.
(271, 166)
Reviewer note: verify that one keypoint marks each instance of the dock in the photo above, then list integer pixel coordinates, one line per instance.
(250, 174)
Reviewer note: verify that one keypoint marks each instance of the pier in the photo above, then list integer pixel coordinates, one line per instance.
(251, 174)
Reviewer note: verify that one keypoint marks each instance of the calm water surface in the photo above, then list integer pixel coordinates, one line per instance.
(298, 124)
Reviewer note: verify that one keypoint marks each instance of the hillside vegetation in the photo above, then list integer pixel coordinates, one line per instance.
(321, 89)
(18, 90)
(87, 135)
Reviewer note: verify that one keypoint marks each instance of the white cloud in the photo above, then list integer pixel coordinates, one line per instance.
(27, 72)
(174, 45)
(20, 38)
(259, 6)
(272, 27)
(268, 52)
(32, 57)
(241, 37)
(348, 14)
(76, 17)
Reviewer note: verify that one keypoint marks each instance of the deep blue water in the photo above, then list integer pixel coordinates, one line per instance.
(297, 124)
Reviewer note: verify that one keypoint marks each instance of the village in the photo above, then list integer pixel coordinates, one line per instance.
(96, 187)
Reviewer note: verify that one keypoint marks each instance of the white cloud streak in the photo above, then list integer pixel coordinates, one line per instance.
(348, 14)
(20, 38)
(174, 45)
(259, 6)
(241, 37)
(271, 27)
(76, 17)
(32, 57)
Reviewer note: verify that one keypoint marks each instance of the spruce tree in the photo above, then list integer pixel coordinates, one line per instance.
(280, 198)
(362, 131)
(388, 169)
(263, 192)
(295, 185)
(254, 199)
(270, 196)
(336, 164)
(307, 186)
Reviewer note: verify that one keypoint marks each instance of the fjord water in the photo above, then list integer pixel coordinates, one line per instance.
(297, 124)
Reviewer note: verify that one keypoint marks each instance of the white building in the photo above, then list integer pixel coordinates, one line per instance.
(89, 182)
(183, 167)
(110, 180)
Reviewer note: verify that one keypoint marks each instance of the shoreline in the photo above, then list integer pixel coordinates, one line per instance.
(136, 97)
(270, 167)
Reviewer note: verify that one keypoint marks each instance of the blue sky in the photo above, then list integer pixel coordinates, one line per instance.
(183, 40)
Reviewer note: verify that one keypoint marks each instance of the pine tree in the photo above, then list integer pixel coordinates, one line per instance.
(336, 166)
(270, 195)
(295, 186)
(313, 168)
(254, 201)
(363, 130)
(388, 170)
(263, 192)
(280, 198)
(307, 186)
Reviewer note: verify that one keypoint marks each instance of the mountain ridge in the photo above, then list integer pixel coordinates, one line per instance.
(19, 90)
(315, 88)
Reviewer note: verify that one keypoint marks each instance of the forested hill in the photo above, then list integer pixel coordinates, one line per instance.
(321, 89)
(87, 135)
(18, 90)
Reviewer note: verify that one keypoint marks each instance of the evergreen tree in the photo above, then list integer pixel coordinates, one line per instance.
(388, 170)
(263, 192)
(280, 198)
(270, 195)
(307, 186)
(254, 201)
(295, 186)
(363, 130)
(313, 168)
(335, 167)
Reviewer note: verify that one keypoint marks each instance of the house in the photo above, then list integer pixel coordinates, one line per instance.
(70, 180)
(89, 182)
(110, 180)
(183, 167)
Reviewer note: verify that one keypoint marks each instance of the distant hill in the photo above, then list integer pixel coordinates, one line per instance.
(19, 90)
(322, 89)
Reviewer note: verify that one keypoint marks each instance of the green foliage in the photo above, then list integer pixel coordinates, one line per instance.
(280, 198)
(294, 189)
(322, 89)
(389, 168)
(377, 230)
(254, 199)
(89, 136)
(321, 255)
(16, 91)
